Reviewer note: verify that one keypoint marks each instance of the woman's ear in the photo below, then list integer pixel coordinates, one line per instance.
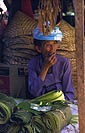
(38, 49)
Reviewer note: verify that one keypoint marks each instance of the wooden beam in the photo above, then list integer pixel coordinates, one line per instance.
(78, 5)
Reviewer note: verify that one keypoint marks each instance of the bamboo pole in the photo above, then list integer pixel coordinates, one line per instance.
(78, 5)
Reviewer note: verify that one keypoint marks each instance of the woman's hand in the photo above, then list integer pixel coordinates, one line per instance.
(50, 61)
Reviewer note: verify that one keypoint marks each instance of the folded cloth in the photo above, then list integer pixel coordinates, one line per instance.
(7, 105)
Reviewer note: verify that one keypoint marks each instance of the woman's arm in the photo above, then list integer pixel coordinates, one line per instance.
(35, 83)
(68, 88)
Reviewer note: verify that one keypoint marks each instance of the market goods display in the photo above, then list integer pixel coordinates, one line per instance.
(36, 116)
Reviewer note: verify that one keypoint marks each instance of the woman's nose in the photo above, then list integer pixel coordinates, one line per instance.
(52, 47)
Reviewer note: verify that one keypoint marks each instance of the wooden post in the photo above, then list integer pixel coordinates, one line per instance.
(80, 55)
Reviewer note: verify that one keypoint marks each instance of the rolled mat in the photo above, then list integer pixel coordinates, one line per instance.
(7, 105)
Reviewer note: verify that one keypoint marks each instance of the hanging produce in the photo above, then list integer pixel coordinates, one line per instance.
(48, 12)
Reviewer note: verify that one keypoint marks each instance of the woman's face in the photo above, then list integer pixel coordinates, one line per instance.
(49, 48)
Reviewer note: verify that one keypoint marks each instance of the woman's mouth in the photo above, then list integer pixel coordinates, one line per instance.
(50, 54)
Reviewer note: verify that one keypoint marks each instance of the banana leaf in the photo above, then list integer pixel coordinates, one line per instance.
(29, 128)
(27, 106)
(7, 105)
(4, 128)
(44, 100)
(58, 105)
(50, 122)
(27, 120)
(62, 117)
(37, 125)
(21, 117)
(49, 97)
(13, 129)
(9, 128)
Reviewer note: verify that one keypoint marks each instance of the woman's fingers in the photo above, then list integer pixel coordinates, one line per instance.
(53, 61)
(51, 57)
(50, 61)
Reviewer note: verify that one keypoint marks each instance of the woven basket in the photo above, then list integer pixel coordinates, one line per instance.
(18, 50)
(21, 24)
(68, 41)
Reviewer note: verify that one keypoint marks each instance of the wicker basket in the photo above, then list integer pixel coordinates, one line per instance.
(18, 50)
(68, 41)
(21, 24)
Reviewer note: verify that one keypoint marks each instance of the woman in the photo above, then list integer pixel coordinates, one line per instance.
(49, 71)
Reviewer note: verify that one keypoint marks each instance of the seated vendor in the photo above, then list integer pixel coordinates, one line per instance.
(49, 71)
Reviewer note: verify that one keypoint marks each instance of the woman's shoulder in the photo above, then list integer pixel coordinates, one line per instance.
(65, 62)
(62, 58)
(34, 60)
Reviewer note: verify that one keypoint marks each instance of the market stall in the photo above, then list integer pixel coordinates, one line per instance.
(80, 65)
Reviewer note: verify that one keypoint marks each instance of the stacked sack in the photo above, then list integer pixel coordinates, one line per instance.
(18, 40)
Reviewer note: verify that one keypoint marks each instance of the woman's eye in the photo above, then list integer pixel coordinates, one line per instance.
(47, 45)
